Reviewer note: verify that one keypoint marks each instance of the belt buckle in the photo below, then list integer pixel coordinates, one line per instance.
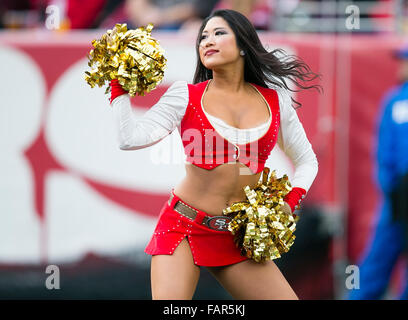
(219, 223)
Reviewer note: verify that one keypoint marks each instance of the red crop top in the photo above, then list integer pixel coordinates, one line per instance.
(206, 148)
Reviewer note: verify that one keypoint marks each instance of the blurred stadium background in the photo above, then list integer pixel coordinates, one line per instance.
(69, 197)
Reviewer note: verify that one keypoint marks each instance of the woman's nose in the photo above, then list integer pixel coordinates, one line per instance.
(207, 45)
(208, 41)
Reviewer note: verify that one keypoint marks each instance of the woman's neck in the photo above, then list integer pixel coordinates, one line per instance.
(231, 81)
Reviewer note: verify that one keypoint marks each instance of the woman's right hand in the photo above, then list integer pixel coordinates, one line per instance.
(116, 89)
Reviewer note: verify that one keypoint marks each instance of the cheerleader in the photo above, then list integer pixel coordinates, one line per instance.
(229, 119)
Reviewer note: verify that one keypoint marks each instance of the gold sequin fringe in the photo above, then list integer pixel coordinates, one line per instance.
(260, 228)
(131, 56)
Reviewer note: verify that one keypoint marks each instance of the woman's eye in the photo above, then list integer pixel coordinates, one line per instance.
(217, 32)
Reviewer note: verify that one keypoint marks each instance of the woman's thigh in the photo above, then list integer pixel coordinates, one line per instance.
(249, 280)
(174, 276)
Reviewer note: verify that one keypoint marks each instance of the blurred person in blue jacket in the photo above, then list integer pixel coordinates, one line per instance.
(389, 241)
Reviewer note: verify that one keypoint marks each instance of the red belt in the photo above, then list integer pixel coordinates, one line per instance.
(219, 223)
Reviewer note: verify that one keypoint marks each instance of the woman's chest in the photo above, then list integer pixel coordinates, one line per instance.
(240, 112)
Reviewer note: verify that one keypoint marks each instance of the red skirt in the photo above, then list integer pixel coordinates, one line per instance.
(209, 247)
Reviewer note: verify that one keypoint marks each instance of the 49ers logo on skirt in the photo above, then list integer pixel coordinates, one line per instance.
(218, 223)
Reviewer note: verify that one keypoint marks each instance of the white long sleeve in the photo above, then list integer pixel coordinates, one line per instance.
(156, 123)
(293, 141)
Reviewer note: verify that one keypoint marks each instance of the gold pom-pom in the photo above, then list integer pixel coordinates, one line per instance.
(261, 229)
(131, 56)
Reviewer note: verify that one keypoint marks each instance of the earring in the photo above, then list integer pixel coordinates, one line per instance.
(242, 53)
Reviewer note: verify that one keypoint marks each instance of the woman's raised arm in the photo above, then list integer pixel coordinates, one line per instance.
(155, 124)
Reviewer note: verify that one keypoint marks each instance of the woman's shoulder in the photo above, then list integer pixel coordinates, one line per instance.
(284, 97)
(176, 90)
(177, 86)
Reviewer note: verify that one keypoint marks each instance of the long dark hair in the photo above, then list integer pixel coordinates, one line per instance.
(261, 67)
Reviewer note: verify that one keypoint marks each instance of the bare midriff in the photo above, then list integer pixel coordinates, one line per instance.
(213, 190)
